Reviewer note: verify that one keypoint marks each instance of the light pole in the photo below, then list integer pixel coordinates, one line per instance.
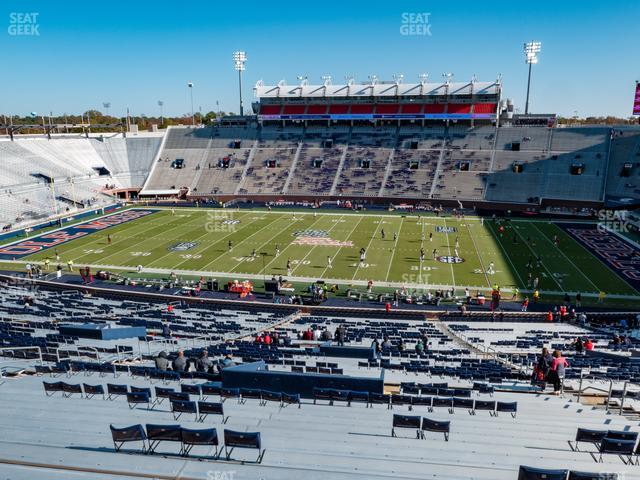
(239, 59)
(161, 104)
(107, 106)
(193, 117)
(531, 51)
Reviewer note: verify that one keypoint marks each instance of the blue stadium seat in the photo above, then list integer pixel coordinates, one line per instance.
(234, 439)
(134, 433)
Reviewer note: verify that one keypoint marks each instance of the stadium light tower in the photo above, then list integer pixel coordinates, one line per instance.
(239, 58)
(107, 106)
(161, 104)
(531, 51)
(193, 117)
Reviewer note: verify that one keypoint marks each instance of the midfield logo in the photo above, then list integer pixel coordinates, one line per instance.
(446, 229)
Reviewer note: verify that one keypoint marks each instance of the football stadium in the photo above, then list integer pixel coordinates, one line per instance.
(361, 277)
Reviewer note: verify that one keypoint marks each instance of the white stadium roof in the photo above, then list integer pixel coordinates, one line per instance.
(376, 89)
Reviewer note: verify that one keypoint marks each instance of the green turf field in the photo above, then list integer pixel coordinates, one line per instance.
(190, 240)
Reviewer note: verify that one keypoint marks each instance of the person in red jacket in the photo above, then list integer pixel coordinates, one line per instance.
(258, 338)
(266, 339)
(588, 344)
(549, 316)
(307, 335)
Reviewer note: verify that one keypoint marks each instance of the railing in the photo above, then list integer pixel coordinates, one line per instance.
(77, 350)
(582, 390)
(24, 348)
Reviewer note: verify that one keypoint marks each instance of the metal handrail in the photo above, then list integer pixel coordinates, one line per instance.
(77, 349)
(25, 348)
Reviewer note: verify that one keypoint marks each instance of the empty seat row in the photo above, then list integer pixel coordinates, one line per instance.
(623, 443)
(187, 438)
(420, 425)
(531, 473)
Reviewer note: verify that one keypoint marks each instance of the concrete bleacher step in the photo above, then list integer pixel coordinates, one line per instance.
(292, 170)
(249, 164)
(334, 185)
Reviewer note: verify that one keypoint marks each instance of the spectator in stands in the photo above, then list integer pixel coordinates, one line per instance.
(258, 338)
(180, 363)
(286, 339)
(204, 363)
(401, 346)
(162, 362)
(376, 347)
(419, 347)
(166, 330)
(267, 339)
(541, 368)
(582, 319)
(317, 333)
(227, 361)
(386, 344)
(341, 333)
(578, 345)
(557, 371)
(588, 345)
(326, 335)
(425, 339)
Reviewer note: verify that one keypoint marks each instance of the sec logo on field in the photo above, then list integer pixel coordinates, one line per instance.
(182, 246)
(449, 259)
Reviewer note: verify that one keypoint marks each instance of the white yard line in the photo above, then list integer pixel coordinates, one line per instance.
(375, 232)
(536, 256)
(484, 271)
(446, 235)
(522, 283)
(567, 258)
(260, 247)
(196, 252)
(395, 244)
(129, 245)
(340, 248)
(316, 246)
(242, 241)
(289, 246)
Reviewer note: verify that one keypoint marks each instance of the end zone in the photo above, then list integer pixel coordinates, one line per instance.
(22, 248)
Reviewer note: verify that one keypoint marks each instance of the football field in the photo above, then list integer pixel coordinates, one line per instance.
(249, 244)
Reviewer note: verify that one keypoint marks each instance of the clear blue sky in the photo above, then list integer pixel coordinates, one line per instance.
(138, 52)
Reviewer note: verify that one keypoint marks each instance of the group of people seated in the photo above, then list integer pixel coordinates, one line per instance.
(273, 338)
(582, 344)
(324, 335)
(421, 345)
(619, 342)
(200, 364)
